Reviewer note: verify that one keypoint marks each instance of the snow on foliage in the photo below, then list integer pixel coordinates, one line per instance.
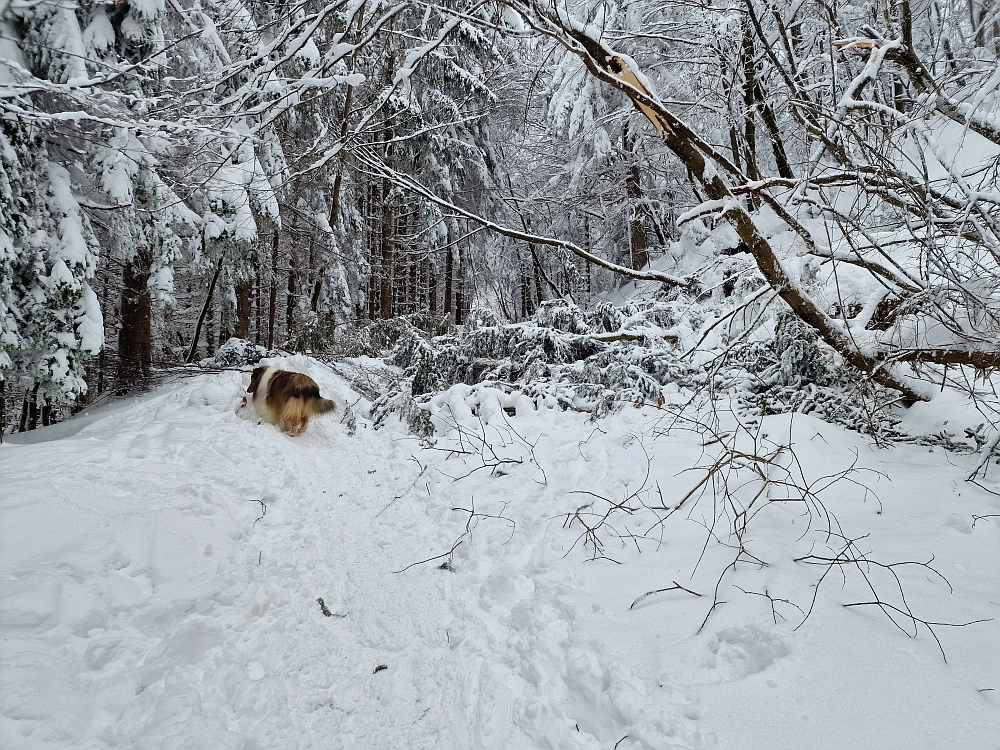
(616, 357)
(50, 318)
(235, 353)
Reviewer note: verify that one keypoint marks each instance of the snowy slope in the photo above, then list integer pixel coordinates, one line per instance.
(161, 561)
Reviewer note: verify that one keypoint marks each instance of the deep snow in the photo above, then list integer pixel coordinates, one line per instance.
(161, 561)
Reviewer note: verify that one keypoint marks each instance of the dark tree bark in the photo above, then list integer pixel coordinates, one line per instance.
(257, 312)
(22, 424)
(273, 301)
(638, 241)
(33, 409)
(372, 234)
(210, 322)
(386, 256)
(244, 310)
(464, 302)
(345, 116)
(432, 292)
(449, 274)
(193, 351)
(749, 103)
(291, 298)
(525, 285)
(135, 337)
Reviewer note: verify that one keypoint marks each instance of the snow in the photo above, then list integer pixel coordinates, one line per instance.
(162, 558)
(89, 321)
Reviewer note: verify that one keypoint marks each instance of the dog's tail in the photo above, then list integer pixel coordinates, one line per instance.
(323, 405)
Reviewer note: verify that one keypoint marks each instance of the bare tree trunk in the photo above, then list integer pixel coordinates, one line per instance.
(537, 267)
(372, 236)
(292, 296)
(432, 295)
(257, 309)
(244, 309)
(412, 292)
(348, 96)
(749, 102)
(774, 135)
(424, 283)
(210, 324)
(449, 274)
(193, 351)
(22, 424)
(524, 283)
(388, 277)
(638, 241)
(464, 300)
(33, 409)
(273, 301)
(135, 338)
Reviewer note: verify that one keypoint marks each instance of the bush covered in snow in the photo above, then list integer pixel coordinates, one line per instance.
(602, 360)
(235, 353)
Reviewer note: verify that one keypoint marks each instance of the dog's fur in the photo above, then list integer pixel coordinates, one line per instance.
(286, 399)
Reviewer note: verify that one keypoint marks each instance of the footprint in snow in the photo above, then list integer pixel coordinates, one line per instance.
(741, 651)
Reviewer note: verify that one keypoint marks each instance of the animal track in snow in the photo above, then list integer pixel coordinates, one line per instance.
(741, 651)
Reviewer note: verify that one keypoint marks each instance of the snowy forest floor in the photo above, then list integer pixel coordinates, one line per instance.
(161, 559)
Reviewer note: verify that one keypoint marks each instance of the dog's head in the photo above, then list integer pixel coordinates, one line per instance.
(258, 373)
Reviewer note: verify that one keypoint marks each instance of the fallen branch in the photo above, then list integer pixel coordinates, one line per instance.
(675, 587)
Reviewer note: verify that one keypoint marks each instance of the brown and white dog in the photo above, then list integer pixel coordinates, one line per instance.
(286, 399)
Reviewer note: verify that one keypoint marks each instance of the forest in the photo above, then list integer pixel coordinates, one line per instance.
(651, 350)
(334, 177)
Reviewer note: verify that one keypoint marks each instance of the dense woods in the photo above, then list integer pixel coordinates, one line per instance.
(177, 173)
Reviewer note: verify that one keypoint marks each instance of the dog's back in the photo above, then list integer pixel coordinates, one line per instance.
(287, 399)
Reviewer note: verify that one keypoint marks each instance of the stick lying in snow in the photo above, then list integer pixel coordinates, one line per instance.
(675, 587)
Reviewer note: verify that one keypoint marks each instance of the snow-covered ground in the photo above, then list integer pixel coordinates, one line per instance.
(161, 561)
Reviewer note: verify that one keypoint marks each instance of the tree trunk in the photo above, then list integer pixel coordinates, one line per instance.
(374, 262)
(33, 409)
(432, 292)
(749, 102)
(388, 277)
(257, 309)
(193, 351)
(22, 424)
(413, 293)
(345, 116)
(135, 338)
(777, 144)
(210, 323)
(273, 301)
(317, 290)
(523, 285)
(449, 274)
(461, 292)
(292, 297)
(244, 310)
(638, 242)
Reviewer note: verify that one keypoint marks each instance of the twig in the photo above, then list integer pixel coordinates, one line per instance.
(675, 587)
(431, 559)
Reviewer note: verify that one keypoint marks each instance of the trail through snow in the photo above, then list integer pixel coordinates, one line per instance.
(162, 561)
